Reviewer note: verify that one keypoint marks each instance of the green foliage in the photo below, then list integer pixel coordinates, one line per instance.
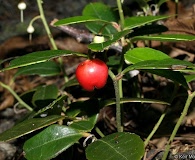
(81, 116)
(50, 142)
(48, 68)
(44, 95)
(28, 126)
(116, 146)
(106, 44)
(133, 22)
(165, 38)
(38, 57)
(103, 12)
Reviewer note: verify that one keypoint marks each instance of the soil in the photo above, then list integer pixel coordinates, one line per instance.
(14, 42)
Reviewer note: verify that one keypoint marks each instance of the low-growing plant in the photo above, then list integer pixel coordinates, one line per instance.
(60, 122)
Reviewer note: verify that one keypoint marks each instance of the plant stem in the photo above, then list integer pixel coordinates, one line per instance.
(122, 20)
(39, 2)
(183, 114)
(118, 83)
(176, 87)
(155, 128)
(120, 89)
(34, 19)
(118, 106)
(99, 132)
(119, 5)
(16, 96)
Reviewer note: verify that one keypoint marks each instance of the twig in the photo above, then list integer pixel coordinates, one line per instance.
(79, 34)
(82, 35)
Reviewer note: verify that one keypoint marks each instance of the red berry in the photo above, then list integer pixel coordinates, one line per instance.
(92, 74)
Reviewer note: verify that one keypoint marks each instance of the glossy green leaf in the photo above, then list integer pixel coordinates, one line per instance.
(116, 146)
(103, 12)
(156, 66)
(50, 142)
(28, 126)
(49, 68)
(154, 61)
(146, 30)
(113, 60)
(114, 38)
(52, 107)
(165, 37)
(190, 78)
(72, 82)
(38, 57)
(141, 54)
(45, 95)
(84, 125)
(79, 19)
(131, 100)
(89, 108)
(133, 22)
(169, 63)
(169, 74)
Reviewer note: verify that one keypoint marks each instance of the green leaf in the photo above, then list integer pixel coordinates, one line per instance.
(72, 82)
(147, 29)
(89, 108)
(117, 146)
(38, 57)
(113, 60)
(54, 107)
(141, 54)
(28, 126)
(154, 61)
(190, 78)
(169, 74)
(50, 142)
(115, 37)
(133, 22)
(131, 100)
(49, 68)
(165, 37)
(84, 125)
(79, 19)
(85, 109)
(171, 64)
(103, 12)
(45, 95)
(156, 66)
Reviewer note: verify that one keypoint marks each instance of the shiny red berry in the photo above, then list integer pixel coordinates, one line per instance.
(92, 74)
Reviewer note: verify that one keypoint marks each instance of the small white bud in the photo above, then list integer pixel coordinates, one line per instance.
(30, 29)
(22, 6)
(98, 39)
